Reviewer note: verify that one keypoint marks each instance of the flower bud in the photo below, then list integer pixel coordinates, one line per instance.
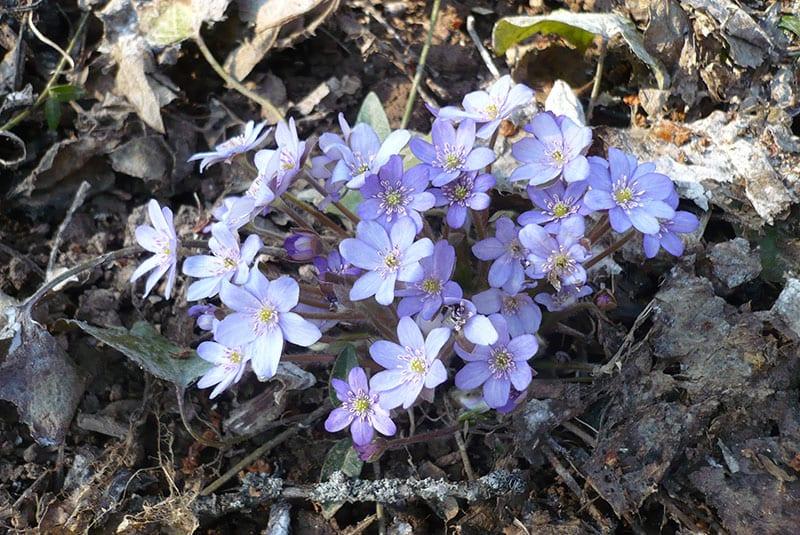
(302, 246)
(605, 300)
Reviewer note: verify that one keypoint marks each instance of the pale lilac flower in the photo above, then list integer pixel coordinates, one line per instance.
(228, 263)
(393, 193)
(160, 239)
(563, 298)
(557, 148)
(467, 191)
(277, 167)
(555, 204)
(387, 257)
(634, 194)
(666, 237)
(205, 316)
(452, 151)
(508, 253)
(490, 107)
(360, 409)
(556, 258)
(427, 295)
(259, 190)
(302, 246)
(359, 154)
(499, 365)
(464, 317)
(234, 212)
(229, 365)
(520, 312)
(225, 151)
(262, 318)
(410, 366)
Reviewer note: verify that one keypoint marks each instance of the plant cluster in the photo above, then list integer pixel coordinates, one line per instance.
(423, 267)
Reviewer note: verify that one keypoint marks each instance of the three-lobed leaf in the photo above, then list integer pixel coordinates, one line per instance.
(372, 113)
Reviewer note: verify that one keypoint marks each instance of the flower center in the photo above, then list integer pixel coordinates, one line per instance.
(229, 263)
(624, 195)
(560, 209)
(267, 315)
(417, 365)
(235, 357)
(391, 262)
(431, 286)
(287, 160)
(510, 305)
(557, 156)
(460, 193)
(515, 249)
(491, 111)
(450, 158)
(501, 362)
(361, 405)
(394, 199)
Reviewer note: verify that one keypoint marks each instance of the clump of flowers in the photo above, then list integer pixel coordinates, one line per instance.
(414, 256)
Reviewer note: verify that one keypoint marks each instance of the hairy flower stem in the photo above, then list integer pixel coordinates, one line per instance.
(567, 366)
(601, 227)
(27, 305)
(274, 114)
(264, 233)
(313, 302)
(316, 214)
(398, 443)
(333, 316)
(45, 94)
(309, 358)
(286, 208)
(342, 208)
(614, 247)
(412, 95)
(480, 218)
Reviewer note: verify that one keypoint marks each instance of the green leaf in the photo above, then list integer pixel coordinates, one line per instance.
(578, 29)
(346, 361)
(341, 457)
(65, 92)
(153, 352)
(373, 114)
(52, 112)
(790, 23)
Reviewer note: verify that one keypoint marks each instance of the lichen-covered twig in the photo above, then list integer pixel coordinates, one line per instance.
(257, 489)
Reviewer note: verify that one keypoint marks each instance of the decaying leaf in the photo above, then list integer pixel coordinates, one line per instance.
(562, 101)
(154, 353)
(42, 382)
(268, 18)
(12, 144)
(579, 29)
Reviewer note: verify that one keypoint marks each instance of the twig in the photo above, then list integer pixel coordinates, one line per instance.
(614, 247)
(598, 75)
(423, 57)
(26, 306)
(485, 55)
(462, 450)
(379, 512)
(64, 55)
(80, 196)
(56, 73)
(275, 114)
(342, 208)
(265, 448)
(257, 489)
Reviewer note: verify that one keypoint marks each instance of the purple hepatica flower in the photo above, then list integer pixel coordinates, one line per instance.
(464, 317)
(234, 212)
(206, 316)
(666, 237)
(563, 298)
(490, 107)
(428, 294)
(508, 254)
(557, 258)
(392, 194)
(387, 257)
(557, 148)
(555, 205)
(302, 246)
(499, 365)
(160, 239)
(262, 319)
(633, 194)
(452, 151)
(467, 191)
(358, 155)
(279, 166)
(225, 152)
(360, 409)
(229, 365)
(334, 263)
(229, 263)
(410, 366)
(520, 312)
